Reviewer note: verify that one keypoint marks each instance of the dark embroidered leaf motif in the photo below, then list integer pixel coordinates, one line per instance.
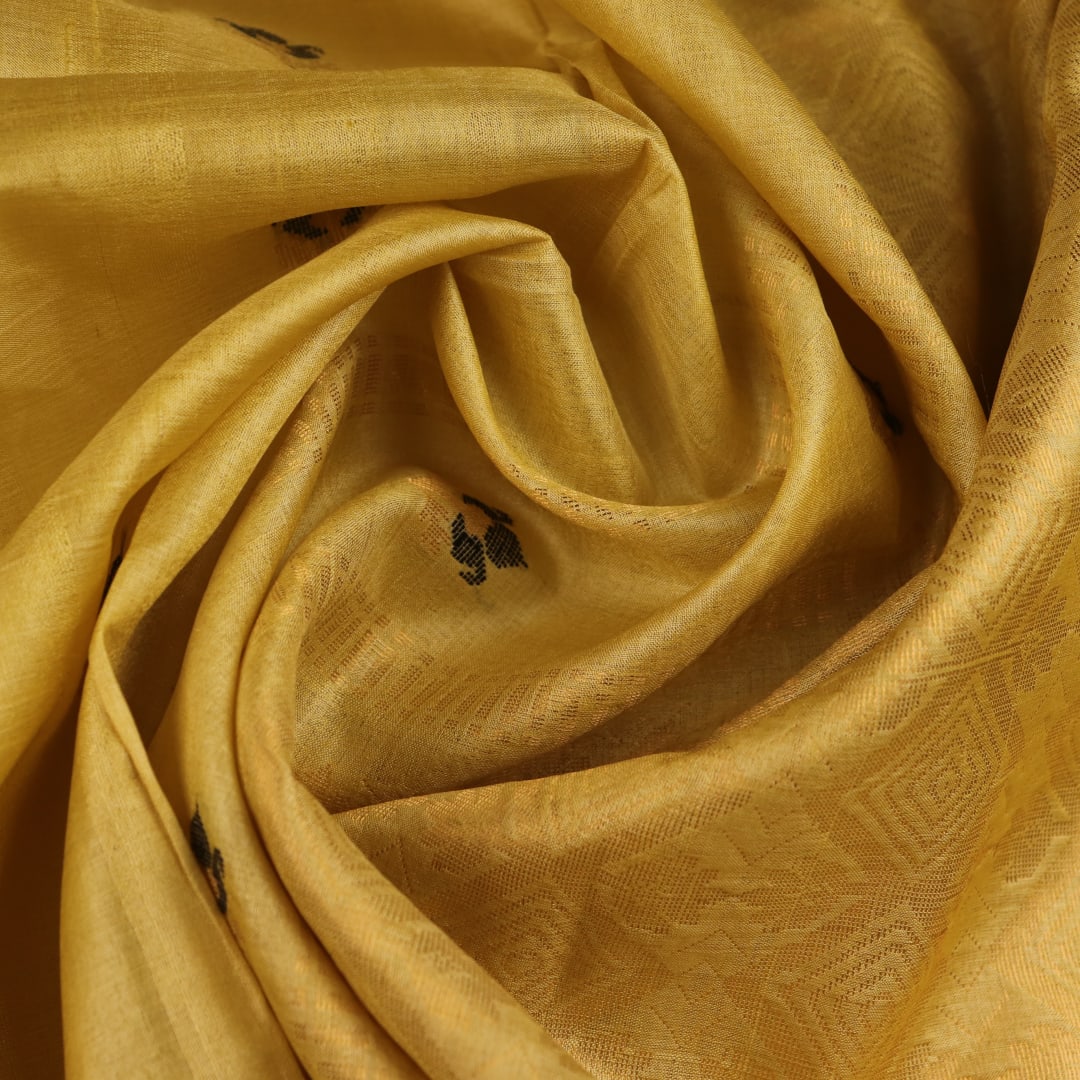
(500, 543)
(217, 872)
(895, 424)
(468, 550)
(352, 215)
(210, 859)
(304, 52)
(503, 547)
(301, 52)
(257, 34)
(303, 226)
(200, 842)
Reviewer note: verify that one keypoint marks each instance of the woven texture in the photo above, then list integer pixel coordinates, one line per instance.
(540, 540)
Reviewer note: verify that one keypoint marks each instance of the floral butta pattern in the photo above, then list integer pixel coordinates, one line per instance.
(540, 540)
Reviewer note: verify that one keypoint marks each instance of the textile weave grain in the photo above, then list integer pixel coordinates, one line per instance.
(540, 539)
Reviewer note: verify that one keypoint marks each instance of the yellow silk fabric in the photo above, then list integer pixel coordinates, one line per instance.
(540, 540)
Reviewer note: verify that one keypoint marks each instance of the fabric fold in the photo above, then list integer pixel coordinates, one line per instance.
(539, 539)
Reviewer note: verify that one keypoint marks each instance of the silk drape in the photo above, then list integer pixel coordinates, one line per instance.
(540, 540)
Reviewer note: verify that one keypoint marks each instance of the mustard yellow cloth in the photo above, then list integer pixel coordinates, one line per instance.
(540, 540)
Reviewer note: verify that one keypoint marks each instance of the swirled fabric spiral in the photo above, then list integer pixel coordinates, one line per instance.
(540, 539)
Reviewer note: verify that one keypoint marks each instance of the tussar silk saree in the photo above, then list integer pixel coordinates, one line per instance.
(540, 540)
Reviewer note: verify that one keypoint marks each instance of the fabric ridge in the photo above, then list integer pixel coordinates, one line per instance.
(540, 539)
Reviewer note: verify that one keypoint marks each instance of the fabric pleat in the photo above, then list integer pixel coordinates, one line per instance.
(540, 539)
